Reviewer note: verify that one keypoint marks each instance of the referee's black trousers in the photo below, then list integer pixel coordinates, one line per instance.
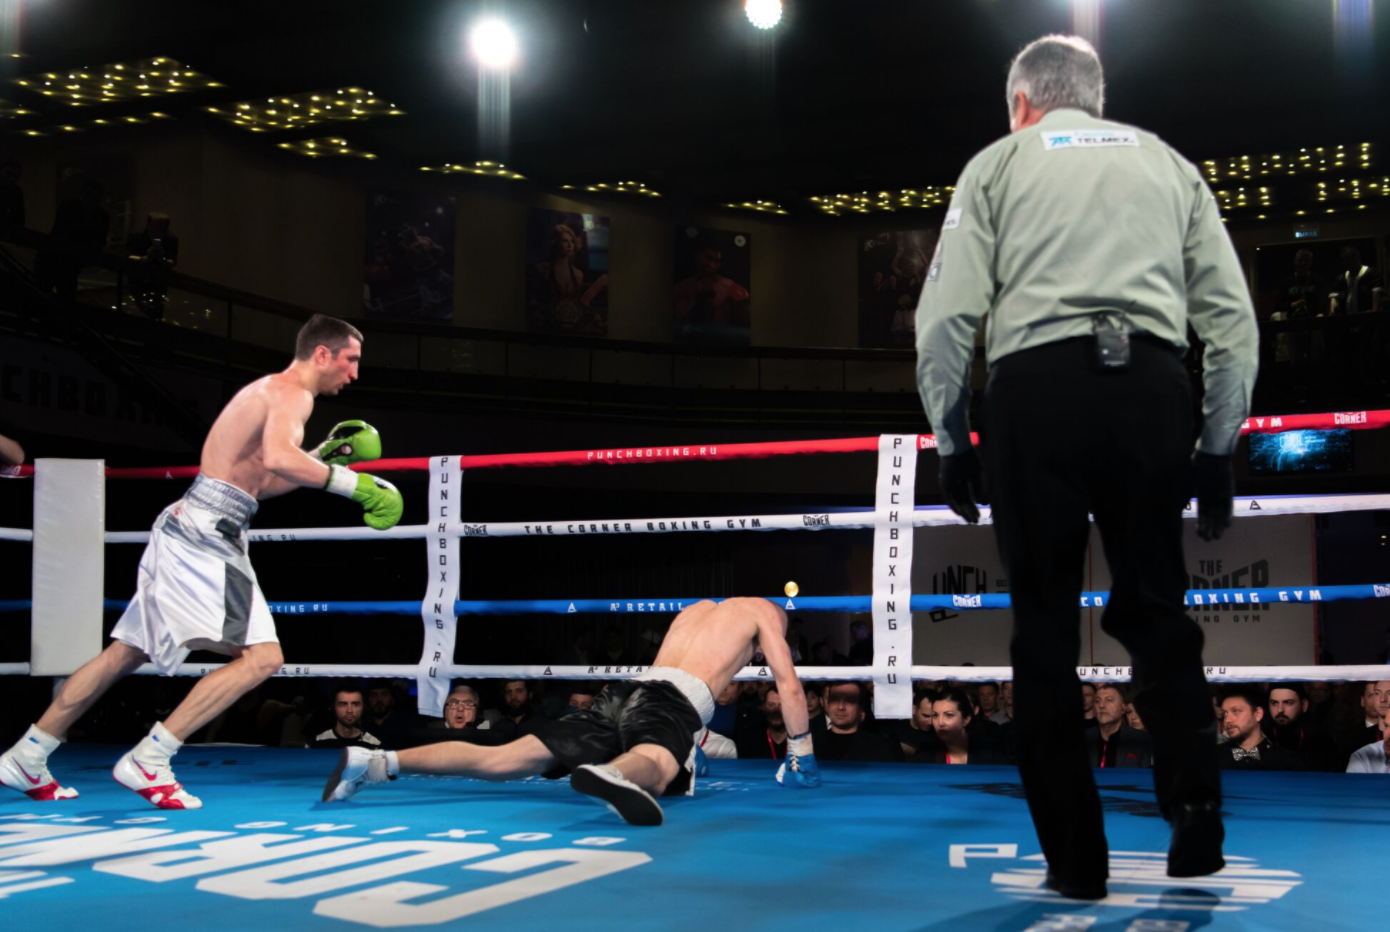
(1061, 439)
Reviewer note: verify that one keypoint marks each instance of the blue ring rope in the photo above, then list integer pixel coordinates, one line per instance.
(851, 604)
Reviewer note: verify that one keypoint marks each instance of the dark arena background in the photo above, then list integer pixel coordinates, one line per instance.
(637, 284)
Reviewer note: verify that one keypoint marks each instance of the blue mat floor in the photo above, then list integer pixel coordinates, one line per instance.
(882, 847)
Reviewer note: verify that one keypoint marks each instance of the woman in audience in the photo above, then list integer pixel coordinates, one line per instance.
(951, 715)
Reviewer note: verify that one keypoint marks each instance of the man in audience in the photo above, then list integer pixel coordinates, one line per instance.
(1319, 702)
(769, 742)
(581, 698)
(988, 696)
(815, 709)
(152, 254)
(1247, 748)
(347, 723)
(1373, 758)
(1290, 727)
(518, 716)
(1112, 743)
(861, 652)
(846, 739)
(1369, 719)
(384, 719)
(917, 735)
(1006, 702)
(1088, 704)
(1359, 289)
(461, 709)
(1220, 713)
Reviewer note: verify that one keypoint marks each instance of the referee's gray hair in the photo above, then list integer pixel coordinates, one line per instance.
(1058, 71)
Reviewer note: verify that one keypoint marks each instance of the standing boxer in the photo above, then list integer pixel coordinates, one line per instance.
(196, 589)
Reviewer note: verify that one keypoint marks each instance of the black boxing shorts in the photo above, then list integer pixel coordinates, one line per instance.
(665, 707)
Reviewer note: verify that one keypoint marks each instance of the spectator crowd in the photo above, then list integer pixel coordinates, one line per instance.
(1280, 726)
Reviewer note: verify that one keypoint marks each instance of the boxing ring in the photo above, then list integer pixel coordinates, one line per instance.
(882, 846)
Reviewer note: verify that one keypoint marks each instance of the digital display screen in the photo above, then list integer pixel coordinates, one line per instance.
(1301, 451)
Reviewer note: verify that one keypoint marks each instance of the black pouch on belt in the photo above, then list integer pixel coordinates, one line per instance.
(1112, 342)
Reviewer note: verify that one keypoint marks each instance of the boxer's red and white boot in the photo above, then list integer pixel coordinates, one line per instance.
(147, 771)
(24, 767)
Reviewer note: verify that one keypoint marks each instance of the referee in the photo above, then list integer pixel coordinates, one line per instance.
(1091, 246)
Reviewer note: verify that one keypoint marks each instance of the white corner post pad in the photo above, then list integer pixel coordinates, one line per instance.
(341, 481)
(69, 564)
(442, 531)
(894, 499)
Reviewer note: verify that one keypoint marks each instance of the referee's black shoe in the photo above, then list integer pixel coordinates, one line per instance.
(1197, 838)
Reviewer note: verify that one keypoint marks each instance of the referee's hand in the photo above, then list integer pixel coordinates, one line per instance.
(960, 483)
(1215, 479)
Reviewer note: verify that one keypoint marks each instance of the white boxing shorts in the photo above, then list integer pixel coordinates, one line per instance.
(197, 590)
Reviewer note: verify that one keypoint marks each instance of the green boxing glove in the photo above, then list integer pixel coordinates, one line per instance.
(380, 499)
(350, 442)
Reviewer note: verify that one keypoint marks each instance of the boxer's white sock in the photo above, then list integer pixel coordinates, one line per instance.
(36, 745)
(160, 741)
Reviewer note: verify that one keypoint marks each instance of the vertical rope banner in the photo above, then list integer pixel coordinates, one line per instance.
(442, 587)
(892, 601)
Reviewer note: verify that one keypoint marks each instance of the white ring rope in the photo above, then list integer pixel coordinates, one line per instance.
(1088, 674)
(21, 534)
(932, 516)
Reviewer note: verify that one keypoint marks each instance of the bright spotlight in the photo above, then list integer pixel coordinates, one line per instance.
(764, 13)
(493, 43)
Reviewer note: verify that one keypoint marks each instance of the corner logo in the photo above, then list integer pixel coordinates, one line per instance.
(1089, 139)
(475, 530)
(815, 520)
(1138, 880)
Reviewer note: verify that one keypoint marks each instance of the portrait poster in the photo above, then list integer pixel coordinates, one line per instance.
(892, 268)
(711, 298)
(409, 256)
(567, 257)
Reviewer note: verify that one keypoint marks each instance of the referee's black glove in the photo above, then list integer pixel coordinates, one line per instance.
(960, 483)
(1215, 479)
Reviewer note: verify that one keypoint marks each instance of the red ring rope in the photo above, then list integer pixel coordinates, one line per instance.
(1356, 420)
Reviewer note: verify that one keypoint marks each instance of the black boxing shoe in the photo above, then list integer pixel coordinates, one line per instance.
(1083, 890)
(626, 799)
(1197, 837)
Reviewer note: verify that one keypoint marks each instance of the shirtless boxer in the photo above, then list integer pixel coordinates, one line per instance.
(196, 588)
(638, 740)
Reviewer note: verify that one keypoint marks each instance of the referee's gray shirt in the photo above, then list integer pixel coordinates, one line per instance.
(1066, 219)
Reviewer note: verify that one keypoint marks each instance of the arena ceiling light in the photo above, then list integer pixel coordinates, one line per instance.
(108, 123)
(492, 169)
(493, 44)
(866, 202)
(615, 187)
(117, 82)
(763, 14)
(339, 105)
(1303, 162)
(325, 147)
(762, 207)
(10, 110)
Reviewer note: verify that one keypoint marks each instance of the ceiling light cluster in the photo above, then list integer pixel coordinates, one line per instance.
(1304, 161)
(616, 187)
(873, 201)
(100, 123)
(326, 147)
(344, 104)
(1236, 198)
(118, 82)
(762, 207)
(493, 169)
(1353, 189)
